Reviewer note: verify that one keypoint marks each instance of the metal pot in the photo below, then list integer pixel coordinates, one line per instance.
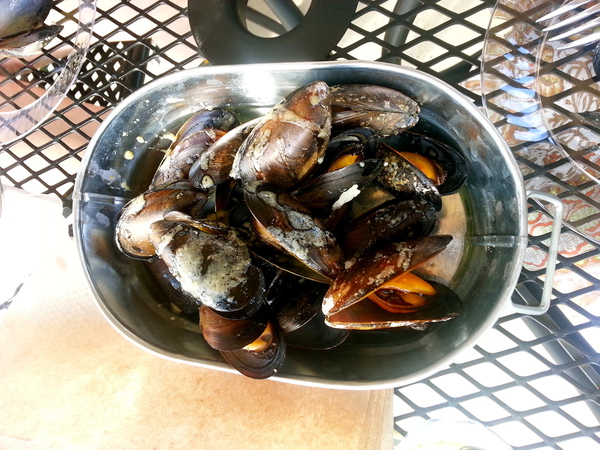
(488, 219)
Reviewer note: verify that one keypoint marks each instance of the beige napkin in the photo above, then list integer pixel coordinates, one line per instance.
(68, 380)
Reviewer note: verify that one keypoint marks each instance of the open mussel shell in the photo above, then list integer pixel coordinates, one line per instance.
(260, 364)
(333, 189)
(272, 256)
(360, 143)
(225, 334)
(387, 111)
(366, 315)
(286, 262)
(217, 269)
(397, 221)
(294, 300)
(450, 160)
(403, 179)
(133, 226)
(369, 272)
(316, 334)
(292, 226)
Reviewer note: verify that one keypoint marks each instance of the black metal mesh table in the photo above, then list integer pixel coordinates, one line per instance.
(533, 380)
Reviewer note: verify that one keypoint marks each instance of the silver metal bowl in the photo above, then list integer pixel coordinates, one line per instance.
(487, 218)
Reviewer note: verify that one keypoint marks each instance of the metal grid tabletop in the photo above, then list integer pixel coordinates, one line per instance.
(532, 380)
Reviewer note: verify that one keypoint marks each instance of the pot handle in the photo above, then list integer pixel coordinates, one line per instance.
(552, 252)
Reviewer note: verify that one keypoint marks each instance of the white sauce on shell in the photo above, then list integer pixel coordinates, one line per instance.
(224, 268)
(210, 280)
(136, 205)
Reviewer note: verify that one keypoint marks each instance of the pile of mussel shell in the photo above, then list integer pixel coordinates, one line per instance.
(22, 29)
(299, 226)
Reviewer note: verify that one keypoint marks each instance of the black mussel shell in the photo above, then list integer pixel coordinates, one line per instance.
(193, 138)
(317, 335)
(215, 268)
(270, 259)
(366, 315)
(401, 178)
(132, 231)
(221, 119)
(181, 156)
(259, 365)
(327, 191)
(289, 142)
(225, 334)
(373, 269)
(178, 298)
(214, 165)
(387, 111)
(294, 300)
(397, 221)
(362, 142)
(288, 224)
(452, 162)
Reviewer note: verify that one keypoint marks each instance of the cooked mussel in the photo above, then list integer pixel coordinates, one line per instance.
(448, 167)
(440, 306)
(286, 223)
(214, 165)
(262, 360)
(196, 135)
(385, 110)
(405, 180)
(289, 142)
(372, 270)
(255, 346)
(226, 334)
(217, 118)
(214, 266)
(133, 230)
